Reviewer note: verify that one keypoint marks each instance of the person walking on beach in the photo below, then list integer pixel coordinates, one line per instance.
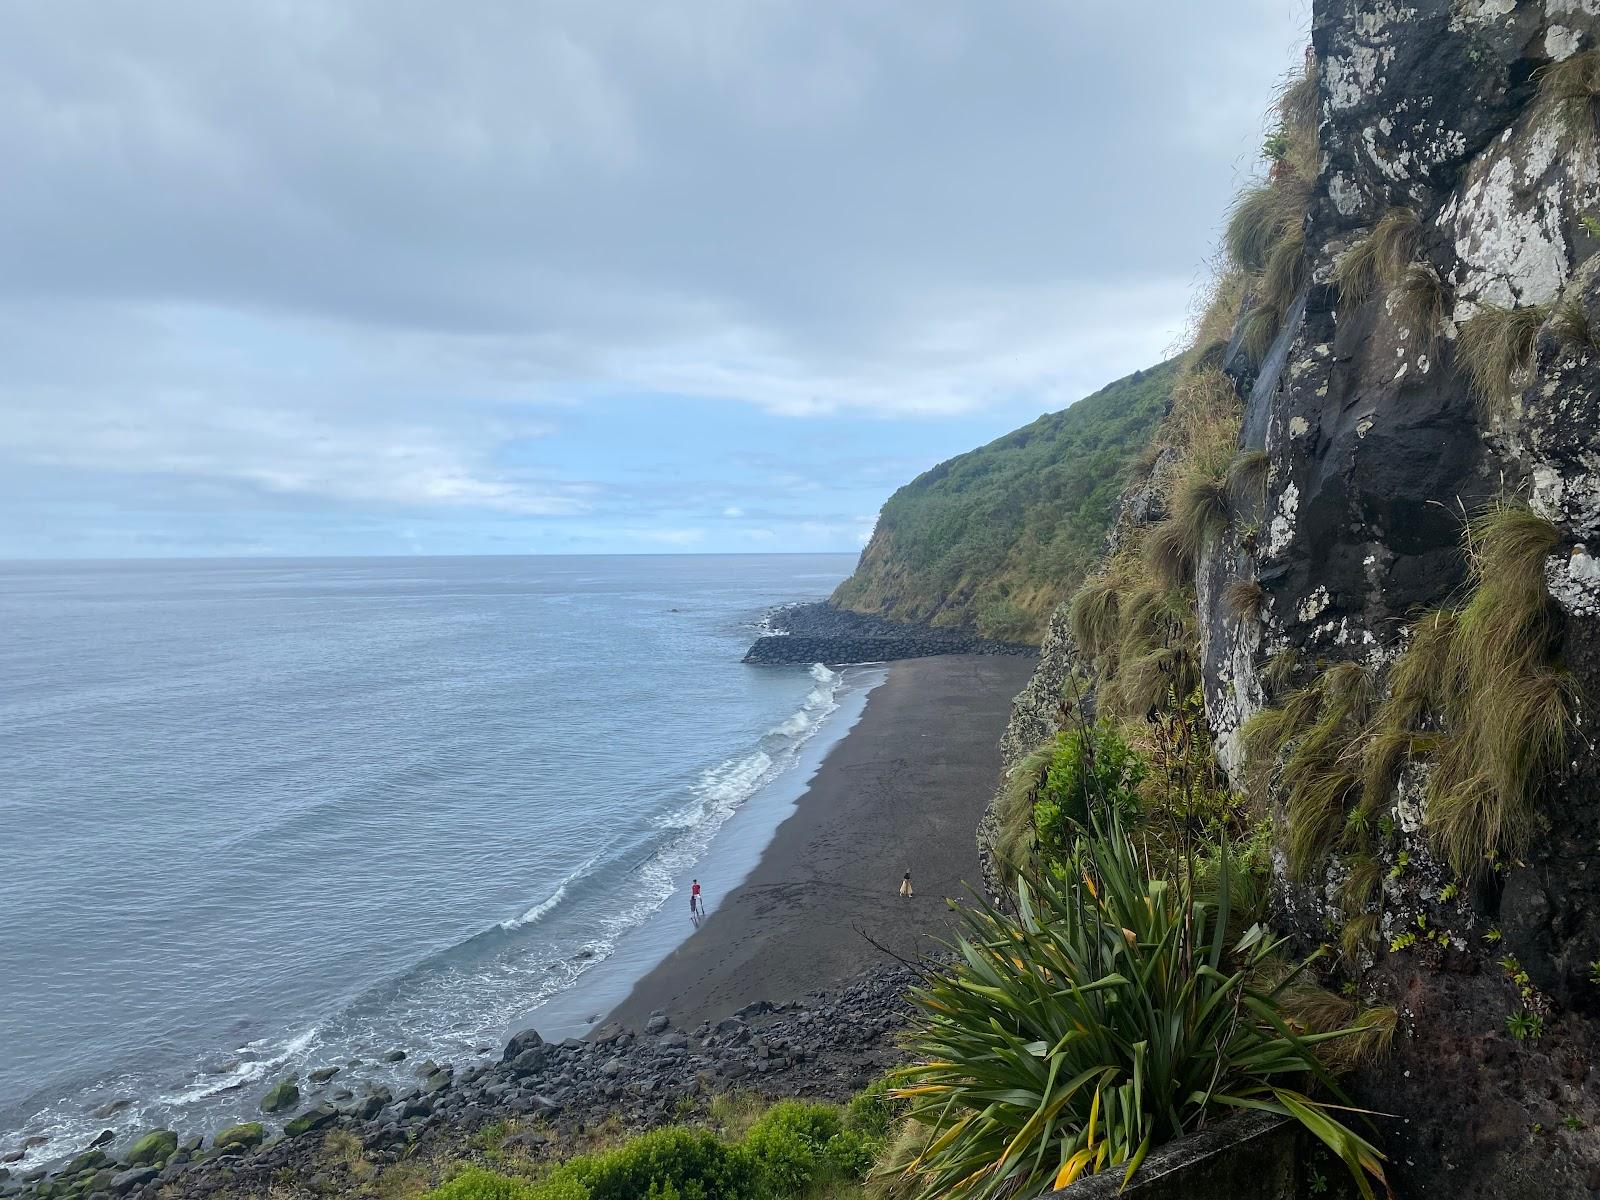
(697, 908)
(905, 885)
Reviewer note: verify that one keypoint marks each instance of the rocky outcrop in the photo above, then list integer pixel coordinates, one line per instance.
(1378, 450)
(812, 633)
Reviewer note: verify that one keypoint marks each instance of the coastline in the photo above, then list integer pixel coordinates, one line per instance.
(777, 991)
(903, 790)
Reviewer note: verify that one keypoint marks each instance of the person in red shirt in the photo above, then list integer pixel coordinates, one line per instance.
(696, 908)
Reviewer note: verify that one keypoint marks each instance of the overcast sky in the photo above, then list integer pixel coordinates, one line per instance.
(523, 276)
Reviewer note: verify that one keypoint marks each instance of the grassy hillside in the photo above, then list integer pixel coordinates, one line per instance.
(996, 537)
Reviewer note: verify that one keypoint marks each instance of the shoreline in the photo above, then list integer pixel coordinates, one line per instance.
(904, 789)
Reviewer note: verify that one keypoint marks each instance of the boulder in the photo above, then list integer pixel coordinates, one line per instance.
(127, 1181)
(104, 1136)
(313, 1118)
(395, 1056)
(323, 1074)
(528, 1039)
(153, 1149)
(239, 1138)
(284, 1096)
(657, 1024)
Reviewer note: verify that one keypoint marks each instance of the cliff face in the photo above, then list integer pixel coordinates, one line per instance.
(1467, 130)
(994, 539)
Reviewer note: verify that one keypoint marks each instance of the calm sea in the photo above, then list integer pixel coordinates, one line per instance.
(261, 816)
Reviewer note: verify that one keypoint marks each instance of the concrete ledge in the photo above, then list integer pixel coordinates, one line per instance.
(1249, 1156)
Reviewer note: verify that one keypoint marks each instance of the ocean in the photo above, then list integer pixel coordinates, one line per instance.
(261, 816)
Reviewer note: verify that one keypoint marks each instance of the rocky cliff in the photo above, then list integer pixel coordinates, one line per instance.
(1408, 591)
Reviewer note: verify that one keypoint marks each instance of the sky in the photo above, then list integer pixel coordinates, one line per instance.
(332, 277)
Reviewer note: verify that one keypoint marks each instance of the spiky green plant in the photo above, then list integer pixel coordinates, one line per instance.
(1112, 1014)
(1571, 88)
(1418, 303)
(1244, 598)
(1495, 346)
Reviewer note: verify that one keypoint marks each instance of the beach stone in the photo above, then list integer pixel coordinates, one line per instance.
(89, 1160)
(126, 1181)
(528, 1039)
(154, 1147)
(283, 1096)
(312, 1118)
(657, 1024)
(395, 1056)
(238, 1138)
(528, 1061)
(323, 1074)
(104, 1136)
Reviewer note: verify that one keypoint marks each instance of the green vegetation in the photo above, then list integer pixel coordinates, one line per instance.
(1479, 691)
(790, 1151)
(1116, 1011)
(996, 538)
(1495, 346)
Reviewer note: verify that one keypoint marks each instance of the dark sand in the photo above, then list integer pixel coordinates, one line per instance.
(903, 790)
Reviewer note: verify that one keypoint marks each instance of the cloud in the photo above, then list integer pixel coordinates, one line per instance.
(366, 252)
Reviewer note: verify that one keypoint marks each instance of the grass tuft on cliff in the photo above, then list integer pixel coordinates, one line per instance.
(1572, 89)
(995, 538)
(1495, 348)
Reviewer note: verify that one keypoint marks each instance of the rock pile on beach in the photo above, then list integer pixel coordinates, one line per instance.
(825, 1046)
(813, 633)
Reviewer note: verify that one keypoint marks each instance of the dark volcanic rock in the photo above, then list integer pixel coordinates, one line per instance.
(813, 633)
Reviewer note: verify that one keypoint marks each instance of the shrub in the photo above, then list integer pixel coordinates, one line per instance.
(1495, 346)
(475, 1183)
(1091, 770)
(1112, 1014)
(697, 1164)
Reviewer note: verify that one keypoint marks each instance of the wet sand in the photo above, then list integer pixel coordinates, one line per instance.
(904, 790)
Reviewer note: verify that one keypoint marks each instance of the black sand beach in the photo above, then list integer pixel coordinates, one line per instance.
(903, 791)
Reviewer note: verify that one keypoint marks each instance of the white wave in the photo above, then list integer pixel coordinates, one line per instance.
(540, 910)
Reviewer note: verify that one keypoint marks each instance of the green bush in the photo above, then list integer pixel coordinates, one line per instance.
(476, 1183)
(694, 1162)
(790, 1144)
(1113, 1013)
(1091, 770)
